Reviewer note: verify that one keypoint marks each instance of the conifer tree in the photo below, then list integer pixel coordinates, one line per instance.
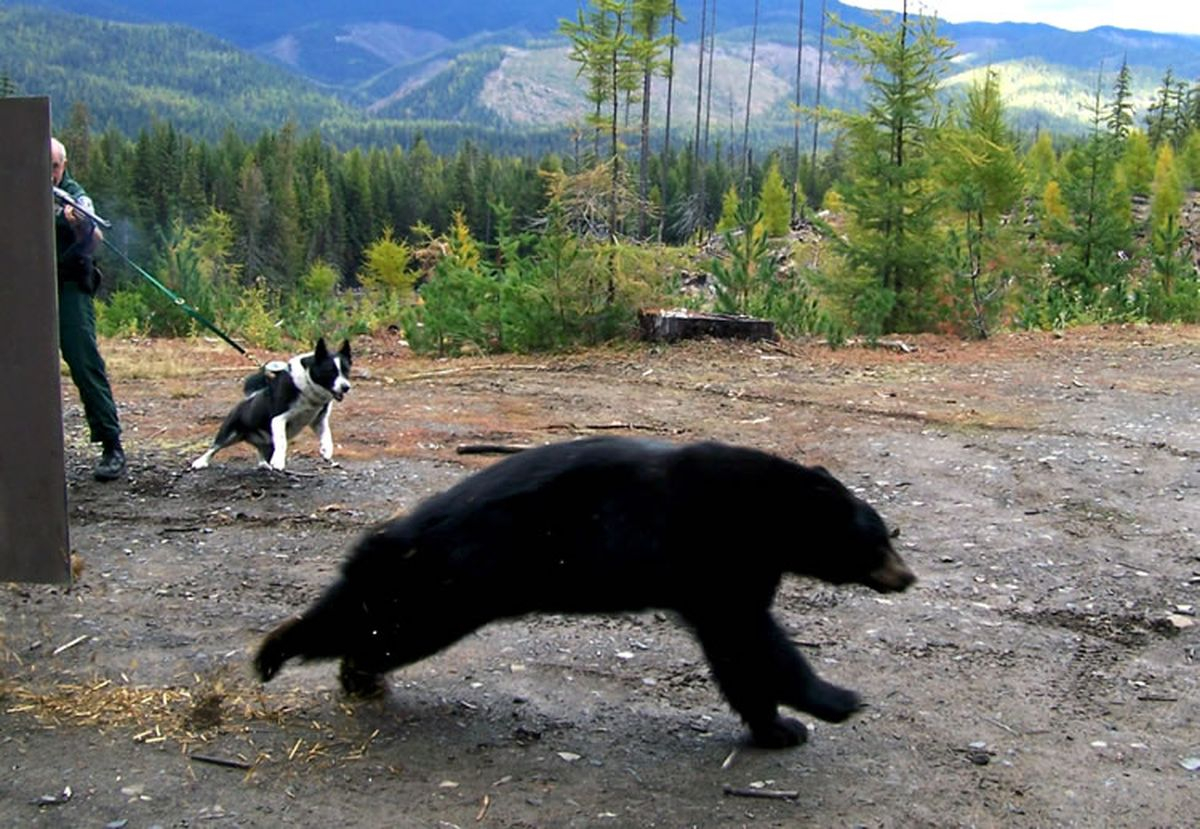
(1120, 111)
(1166, 192)
(982, 173)
(890, 190)
(1053, 208)
(1096, 235)
(731, 202)
(1190, 159)
(251, 220)
(773, 201)
(1137, 162)
(1041, 163)
(78, 137)
(1161, 117)
(386, 265)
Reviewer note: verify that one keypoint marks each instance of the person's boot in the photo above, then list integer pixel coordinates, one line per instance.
(112, 462)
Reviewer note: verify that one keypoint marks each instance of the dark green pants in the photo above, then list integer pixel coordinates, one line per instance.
(77, 338)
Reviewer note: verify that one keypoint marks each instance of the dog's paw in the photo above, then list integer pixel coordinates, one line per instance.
(200, 462)
(278, 464)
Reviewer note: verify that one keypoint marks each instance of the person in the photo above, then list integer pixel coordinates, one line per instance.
(75, 239)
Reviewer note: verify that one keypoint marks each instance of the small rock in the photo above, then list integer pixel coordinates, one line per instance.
(1180, 622)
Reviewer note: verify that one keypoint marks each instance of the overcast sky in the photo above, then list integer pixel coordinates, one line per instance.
(1174, 16)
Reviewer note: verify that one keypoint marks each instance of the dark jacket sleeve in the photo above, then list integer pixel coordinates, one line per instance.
(73, 264)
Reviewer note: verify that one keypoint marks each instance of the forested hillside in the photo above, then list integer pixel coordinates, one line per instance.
(130, 75)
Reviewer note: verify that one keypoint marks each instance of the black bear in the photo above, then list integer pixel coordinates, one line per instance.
(604, 525)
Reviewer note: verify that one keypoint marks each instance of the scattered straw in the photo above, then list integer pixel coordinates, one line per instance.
(161, 715)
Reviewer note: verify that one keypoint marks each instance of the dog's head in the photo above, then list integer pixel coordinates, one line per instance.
(331, 371)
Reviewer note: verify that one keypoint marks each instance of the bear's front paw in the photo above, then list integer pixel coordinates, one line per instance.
(784, 732)
(833, 704)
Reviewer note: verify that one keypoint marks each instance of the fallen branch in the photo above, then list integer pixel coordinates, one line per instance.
(598, 427)
(69, 645)
(428, 375)
(999, 724)
(891, 345)
(492, 448)
(767, 794)
(220, 761)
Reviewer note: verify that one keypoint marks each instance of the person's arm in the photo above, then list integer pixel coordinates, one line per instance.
(87, 233)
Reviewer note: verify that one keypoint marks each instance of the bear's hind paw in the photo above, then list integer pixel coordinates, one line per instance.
(784, 732)
(361, 684)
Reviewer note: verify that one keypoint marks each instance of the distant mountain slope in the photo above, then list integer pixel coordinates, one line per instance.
(128, 75)
(250, 24)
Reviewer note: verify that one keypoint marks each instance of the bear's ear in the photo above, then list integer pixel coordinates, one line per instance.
(895, 533)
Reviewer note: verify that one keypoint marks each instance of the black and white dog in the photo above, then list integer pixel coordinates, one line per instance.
(281, 400)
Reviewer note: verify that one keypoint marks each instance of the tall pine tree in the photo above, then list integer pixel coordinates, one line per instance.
(894, 252)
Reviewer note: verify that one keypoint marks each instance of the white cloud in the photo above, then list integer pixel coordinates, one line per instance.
(1171, 16)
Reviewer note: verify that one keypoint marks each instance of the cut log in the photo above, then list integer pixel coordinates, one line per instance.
(681, 324)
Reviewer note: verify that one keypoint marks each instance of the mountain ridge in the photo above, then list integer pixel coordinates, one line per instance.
(340, 69)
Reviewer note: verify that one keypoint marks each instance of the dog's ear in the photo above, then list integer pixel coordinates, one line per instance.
(321, 352)
(345, 349)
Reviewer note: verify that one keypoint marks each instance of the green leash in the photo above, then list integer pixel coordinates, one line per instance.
(180, 302)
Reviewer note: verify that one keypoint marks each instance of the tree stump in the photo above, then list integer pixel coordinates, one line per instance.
(681, 324)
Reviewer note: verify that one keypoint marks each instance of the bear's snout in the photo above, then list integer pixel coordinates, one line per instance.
(892, 576)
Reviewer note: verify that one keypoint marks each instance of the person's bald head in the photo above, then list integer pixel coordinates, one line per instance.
(58, 161)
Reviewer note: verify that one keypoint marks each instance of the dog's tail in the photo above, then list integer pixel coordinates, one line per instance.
(256, 382)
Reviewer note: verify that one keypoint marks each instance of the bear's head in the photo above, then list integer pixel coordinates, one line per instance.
(853, 545)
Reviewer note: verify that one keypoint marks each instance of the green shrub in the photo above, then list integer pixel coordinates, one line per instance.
(123, 315)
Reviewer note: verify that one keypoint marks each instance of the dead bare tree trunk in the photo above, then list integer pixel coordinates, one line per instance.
(666, 153)
(712, 48)
(796, 115)
(749, 98)
(812, 164)
(699, 101)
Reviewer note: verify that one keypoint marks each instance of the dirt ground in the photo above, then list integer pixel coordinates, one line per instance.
(1043, 672)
